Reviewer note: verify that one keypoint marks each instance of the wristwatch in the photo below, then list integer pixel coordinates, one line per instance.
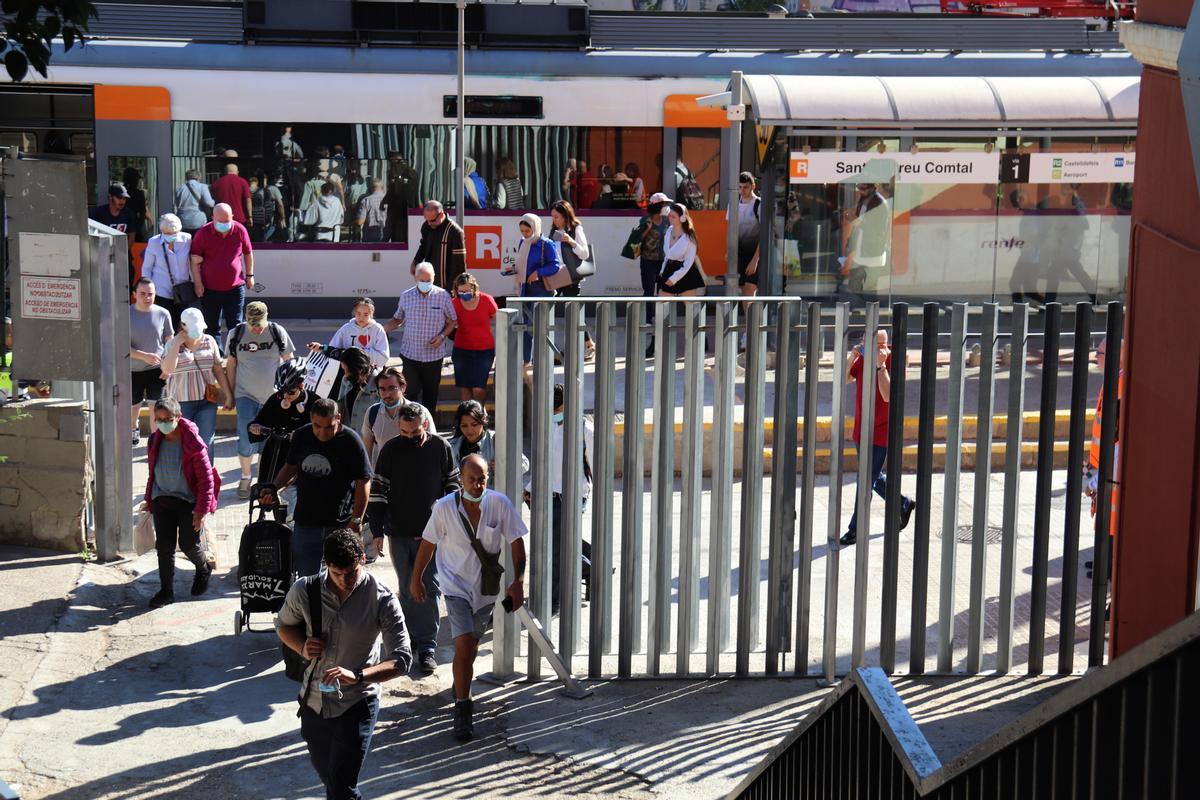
(358, 675)
(356, 520)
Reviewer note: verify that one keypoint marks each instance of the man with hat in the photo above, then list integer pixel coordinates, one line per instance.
(117, 216)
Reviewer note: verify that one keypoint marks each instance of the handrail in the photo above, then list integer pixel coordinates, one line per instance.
(927, 776)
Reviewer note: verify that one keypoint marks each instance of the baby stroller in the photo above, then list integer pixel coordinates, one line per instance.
(264, 566)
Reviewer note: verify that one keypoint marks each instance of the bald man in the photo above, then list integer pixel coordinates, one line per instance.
(222, 269)
(880, 363)
(233, 190)
(467, 531)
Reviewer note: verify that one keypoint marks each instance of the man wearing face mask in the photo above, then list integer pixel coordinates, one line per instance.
(222, 269)
(460, 527)
(382, 421)
(428, 316)
(414, 470)
(558, 449)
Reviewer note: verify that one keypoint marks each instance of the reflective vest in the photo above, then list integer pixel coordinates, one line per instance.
(1094, 452)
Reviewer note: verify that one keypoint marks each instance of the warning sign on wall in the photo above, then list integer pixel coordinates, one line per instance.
(51, 298)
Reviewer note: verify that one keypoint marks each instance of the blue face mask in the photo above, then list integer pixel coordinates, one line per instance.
(468, 496)
(424, 287)
(170, 237)
(466, 296)
(166, 426)
(558, 418)
(392, 406)
(224, 227)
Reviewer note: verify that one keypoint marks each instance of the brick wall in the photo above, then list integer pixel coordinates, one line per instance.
(43, 474)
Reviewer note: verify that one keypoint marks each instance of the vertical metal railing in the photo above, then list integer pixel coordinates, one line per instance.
(672, 590)
(1107, 484)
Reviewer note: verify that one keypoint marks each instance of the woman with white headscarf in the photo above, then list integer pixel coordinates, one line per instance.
(165, 263)
(475, 193)
(537, 259)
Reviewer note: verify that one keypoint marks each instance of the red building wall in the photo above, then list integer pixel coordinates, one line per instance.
(1159, 524)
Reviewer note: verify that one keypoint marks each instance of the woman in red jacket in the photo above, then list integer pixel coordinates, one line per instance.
(181, 491)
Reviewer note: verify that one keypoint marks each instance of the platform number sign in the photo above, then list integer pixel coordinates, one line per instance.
(1014, 168)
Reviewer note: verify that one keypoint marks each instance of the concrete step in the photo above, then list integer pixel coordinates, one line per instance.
(967, 458)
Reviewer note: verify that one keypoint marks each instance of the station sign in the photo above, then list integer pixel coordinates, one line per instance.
(46, 297)
(968, 167)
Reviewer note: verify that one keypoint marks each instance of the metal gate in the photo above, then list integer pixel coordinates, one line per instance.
(717, 498)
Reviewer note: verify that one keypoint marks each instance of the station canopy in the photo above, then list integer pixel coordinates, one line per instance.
(852, 101)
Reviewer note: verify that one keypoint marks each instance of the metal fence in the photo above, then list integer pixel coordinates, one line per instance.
(1118, 732)
(707, 553)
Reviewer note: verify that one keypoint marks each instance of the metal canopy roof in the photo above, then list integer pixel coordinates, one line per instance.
(942, 101)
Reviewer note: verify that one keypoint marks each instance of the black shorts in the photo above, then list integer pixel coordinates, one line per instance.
(744, 259)
(147, 385)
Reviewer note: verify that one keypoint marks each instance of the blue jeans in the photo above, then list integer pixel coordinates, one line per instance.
(216, 304)
(421, 618)
(878, 483)
(247, 410)
(338, 746)
(308, 542)
(531, 290)
(204, 414)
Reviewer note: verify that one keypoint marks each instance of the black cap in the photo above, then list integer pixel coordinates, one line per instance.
(117, 190)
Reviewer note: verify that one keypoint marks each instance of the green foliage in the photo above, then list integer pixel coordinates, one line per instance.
(10, 416)
(31, 25)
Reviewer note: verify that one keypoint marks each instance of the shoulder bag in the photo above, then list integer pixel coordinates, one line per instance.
(492, 570)
(559, 280)
(579, 268)
(184, 292)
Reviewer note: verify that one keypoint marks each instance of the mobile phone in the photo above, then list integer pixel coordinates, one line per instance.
(507, 604)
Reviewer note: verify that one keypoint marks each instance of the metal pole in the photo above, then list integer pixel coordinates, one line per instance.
(893, 501)
(1107, 483)
(570, 527)
(632, 479)
(691, 471)
(460, 170)
(837, 430)
(1075, 449)
(663, 495)
(812, 385)
(720, 544)
(541, 509)
(600, 608)
(783, 492)
(866, 447)
(750, 543)
(983, 470)
(732, 163)
(1012, 483)
(958, 330)
(1044, 487)
(920, 583)
(508, 467)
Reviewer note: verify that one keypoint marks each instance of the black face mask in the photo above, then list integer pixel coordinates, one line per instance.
(409, 441)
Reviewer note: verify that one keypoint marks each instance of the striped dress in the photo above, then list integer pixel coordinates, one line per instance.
(194, 370)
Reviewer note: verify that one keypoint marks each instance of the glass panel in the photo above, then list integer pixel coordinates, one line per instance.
(810, 229)
(698, 170)
(139, 175)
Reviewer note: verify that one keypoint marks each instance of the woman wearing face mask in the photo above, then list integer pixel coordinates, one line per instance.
(358, 391)
(165, 262)
(474, 339)
(680, 275)
(567, 231)
(195, 375)
(181, 491)
(471, 435)
(537, 258)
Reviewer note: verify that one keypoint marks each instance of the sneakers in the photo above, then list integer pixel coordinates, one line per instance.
(164, 598)
(906, 514)
(589, 350)
(464, 727)
(426, 663)
(849, 538)
(200, 582)
(137, 437)
(243, 491)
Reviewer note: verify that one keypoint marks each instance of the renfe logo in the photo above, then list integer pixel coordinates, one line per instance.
(484, 246)
(800, 168)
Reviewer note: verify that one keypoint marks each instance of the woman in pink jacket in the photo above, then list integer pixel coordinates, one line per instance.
(181, 491)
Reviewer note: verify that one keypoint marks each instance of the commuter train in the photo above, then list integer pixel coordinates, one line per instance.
(602, 128)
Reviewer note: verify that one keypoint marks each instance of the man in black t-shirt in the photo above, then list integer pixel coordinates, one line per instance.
(333, 482)
(117, 215)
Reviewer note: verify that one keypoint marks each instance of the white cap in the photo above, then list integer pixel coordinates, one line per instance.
(658, 197)
(194, 319)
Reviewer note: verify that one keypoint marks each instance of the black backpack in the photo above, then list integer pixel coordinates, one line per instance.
(294, 664)
(235, 338)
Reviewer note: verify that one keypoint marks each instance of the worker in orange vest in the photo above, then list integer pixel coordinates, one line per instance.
(1092, 472)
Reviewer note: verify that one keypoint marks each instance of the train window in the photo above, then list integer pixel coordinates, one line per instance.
(24, 141)
(139, 175)
(698, 169)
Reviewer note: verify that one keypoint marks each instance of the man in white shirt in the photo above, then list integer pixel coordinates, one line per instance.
(558, 448)
(467, 531)
(749, 204)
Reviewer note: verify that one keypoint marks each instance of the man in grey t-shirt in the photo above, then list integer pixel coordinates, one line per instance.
(149, 331)
(255, 349)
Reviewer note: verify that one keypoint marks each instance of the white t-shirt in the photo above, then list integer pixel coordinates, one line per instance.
(458, 568)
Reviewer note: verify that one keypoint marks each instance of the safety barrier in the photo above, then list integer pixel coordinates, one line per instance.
(676, 590)
(1123, 731)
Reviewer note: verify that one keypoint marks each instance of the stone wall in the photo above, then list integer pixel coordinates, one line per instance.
(43, 474)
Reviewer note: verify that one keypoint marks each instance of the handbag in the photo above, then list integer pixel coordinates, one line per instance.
(184, 292)
(579, 268)
(143, 533)
(212, 392)
(559, 280)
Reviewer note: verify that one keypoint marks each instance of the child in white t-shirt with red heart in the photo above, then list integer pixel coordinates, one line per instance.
(362, 332)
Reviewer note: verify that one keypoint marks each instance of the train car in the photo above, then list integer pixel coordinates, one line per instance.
(602, 128)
